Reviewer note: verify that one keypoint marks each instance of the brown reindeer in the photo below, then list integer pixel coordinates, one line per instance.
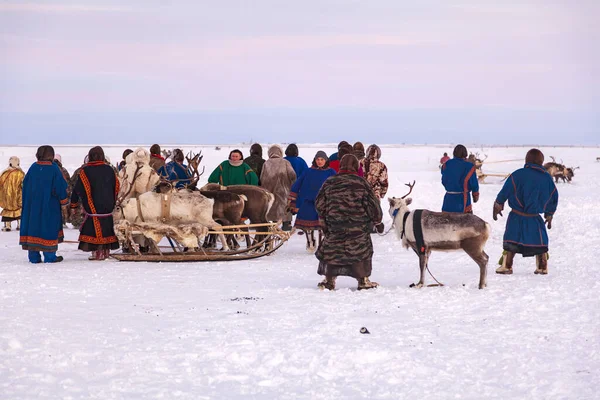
(256, 207)
(441, 232)
(227, 210)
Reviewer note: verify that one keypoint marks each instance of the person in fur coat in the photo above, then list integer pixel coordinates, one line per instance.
(348, 209)
(11, 188)
(277, 177)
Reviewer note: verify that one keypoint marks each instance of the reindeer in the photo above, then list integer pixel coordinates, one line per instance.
(256, 207)
(170, 207)
(227, 210)
(557, 170)
(137, 174)
(441, 232)
(478, 162)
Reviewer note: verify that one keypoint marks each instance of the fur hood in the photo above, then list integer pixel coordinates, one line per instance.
(256, 149)
(373, 152)
(275, 152)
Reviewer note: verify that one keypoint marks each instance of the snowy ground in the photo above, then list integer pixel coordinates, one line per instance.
(261, 330)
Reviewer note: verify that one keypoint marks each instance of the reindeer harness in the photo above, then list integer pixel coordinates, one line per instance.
(417, 229)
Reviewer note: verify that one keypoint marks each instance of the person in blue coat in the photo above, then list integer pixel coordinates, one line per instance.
(44, 203)
(176, 170)
(530, 191)
(459, 179)
(304, 192)
(298, 163)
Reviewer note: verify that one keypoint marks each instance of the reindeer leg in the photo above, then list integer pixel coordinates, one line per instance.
(307, 239)
(422, 266)
(218, 227)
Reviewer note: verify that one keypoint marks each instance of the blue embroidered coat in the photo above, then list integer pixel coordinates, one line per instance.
(44, 192)
(303, 194)
(174, 171)
(530, 191)
(459, 179)
(298, 164)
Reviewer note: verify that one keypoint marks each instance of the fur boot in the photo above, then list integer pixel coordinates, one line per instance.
(541, 264)
(6, 227)
(328, 283)
(507, 263)
(365, 283)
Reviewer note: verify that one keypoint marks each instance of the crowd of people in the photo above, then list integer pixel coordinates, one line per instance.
(337, 195)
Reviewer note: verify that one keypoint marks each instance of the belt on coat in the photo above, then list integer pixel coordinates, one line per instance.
(522, 214)
(455, 192)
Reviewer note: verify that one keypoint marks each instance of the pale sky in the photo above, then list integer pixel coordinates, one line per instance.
(388, 71)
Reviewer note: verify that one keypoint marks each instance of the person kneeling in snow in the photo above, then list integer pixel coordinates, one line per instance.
(530, 191)
(347, 208)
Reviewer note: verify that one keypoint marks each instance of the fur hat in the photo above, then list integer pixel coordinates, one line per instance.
(349, 163)
(139, 155)
(345, 149)
(275, 151)
(58, 158)
(358, 150)
(373, 152)
(14, 162)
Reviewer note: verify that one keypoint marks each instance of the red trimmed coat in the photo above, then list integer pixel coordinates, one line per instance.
(97, 188)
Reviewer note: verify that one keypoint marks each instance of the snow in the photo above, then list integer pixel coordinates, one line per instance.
(260, 329)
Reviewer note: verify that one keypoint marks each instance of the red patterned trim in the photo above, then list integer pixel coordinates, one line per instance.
(157, 156)
(95, 163)
(44, 162)
(36, 240)
(301, 223)
(74, 205)
(466, 191)
(100, 240)
(248, 171)
(88, 191)
(64, 202)
(117, 186)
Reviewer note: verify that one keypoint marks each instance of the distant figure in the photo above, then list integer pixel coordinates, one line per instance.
(124, 160)
(156, 160)
(234, 171)
(335, 156)
(44, 204)
(376, 172)
(345, 149)
(444, 159)
(298, 163)
(530, 191)
(255, 161)
(11, 193)
(459, 179)
(176, 171)
(303, 194)
(358, 149)
(277, 177)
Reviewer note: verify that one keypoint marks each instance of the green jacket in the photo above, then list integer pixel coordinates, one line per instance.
(226, 174)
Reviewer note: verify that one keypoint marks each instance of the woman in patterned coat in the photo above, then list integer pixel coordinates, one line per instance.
(348, 209)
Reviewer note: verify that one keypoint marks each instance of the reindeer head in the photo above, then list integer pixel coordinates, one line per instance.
(399, 205)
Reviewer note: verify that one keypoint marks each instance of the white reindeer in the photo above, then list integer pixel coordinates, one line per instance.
(441, 232)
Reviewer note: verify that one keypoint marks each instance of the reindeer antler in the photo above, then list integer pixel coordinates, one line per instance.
(131, 185)
(411, 188)
(553, 160)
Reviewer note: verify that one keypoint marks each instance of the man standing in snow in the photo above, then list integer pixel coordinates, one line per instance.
(44, 192)
(530, 191)
(459, 180)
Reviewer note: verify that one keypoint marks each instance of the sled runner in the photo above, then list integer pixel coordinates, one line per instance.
(186, 242)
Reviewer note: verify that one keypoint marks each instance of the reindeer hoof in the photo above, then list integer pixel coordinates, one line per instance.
(416, 285)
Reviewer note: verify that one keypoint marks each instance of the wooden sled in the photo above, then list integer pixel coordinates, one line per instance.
(265, 243)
